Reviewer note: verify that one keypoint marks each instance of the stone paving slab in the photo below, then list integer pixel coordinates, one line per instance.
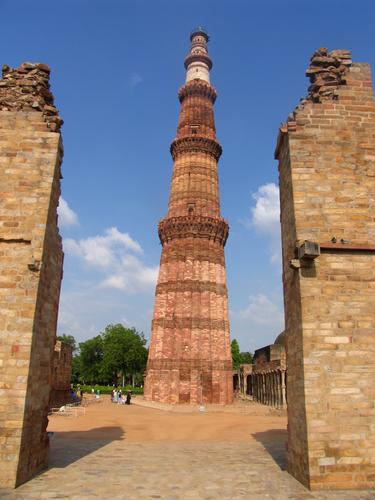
(83, 469)
(133, 452)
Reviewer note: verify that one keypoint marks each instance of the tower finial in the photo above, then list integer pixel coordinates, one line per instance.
(199, 31)
(198, 62)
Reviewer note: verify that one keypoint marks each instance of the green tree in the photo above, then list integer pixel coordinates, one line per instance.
(236, 356)
(246, 358)
(91, 360)
(76, 370)
(124, 352)
(68, 339)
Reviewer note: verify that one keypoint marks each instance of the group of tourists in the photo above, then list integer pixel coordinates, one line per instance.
(121, 398)
(76, 394)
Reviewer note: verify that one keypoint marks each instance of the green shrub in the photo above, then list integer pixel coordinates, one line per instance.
(107, 389)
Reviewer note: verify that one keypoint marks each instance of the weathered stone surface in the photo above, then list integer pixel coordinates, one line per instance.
(61, 374)
(190, 358)
(327, 72)
(27, 88)
(30, 270)
(326, 154)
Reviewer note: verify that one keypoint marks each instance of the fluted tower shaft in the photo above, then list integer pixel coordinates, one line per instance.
(190, 357)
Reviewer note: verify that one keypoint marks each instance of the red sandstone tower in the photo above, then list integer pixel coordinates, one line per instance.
(190, 358)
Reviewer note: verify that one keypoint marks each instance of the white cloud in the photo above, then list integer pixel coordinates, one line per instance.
(259, 323)
(148, 275)
(116, 282)
(112, 255)
(135, 79)
(84, 311)
(67, 216)
(262, 311)
(67, 320)
(265, 217)
(98, 271)
(266, 213)
(103, 251)
(136, 278)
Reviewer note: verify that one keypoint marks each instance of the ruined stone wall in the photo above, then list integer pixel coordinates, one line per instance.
(326, 154)
(61, 374)
(269, 357)
(61, 366)
(30, 266)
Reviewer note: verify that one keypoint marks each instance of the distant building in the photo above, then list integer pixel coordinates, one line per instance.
(242, 380)
(265, 380)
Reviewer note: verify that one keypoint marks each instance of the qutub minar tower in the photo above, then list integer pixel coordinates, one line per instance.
(190, 357)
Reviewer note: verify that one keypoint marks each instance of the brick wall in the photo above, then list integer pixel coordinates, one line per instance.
(61, 374)
(30, 268)
(61, 367)
(326, 156)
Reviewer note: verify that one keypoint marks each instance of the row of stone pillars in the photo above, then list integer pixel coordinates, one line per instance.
(242, 381)
(269, 388)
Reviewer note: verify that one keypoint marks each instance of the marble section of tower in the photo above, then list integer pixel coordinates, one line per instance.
(190, 357)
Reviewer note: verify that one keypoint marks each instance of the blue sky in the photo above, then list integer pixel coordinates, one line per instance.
(116, 69)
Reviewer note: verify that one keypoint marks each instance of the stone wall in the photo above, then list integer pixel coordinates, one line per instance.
(326, 154)
(61, 374)
(30, 266)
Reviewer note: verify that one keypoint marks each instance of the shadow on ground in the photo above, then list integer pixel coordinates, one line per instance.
(274, 442)
(68, 447)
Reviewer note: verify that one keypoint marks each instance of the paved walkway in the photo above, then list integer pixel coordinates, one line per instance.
(138, 453)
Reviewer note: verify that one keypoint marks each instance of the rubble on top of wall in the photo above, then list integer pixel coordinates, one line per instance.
(326, 72)
(27, 88)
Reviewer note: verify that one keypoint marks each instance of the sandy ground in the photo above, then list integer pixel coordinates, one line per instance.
(137, 424)
(137, 452)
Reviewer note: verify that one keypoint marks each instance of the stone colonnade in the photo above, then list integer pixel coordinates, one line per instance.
(265, 380)
(269, 387)
(242, 380)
